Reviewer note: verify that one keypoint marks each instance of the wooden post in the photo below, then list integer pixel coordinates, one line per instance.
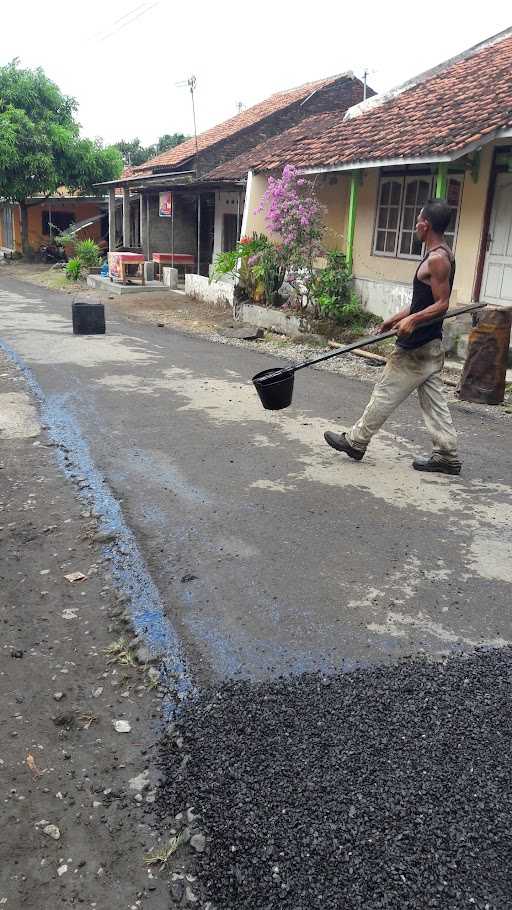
(111, 219)
(148, 213)
(126, 216)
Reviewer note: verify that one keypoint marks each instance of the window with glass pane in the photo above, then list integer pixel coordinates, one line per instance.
(453, 198)
(388, 216)
(400, 202)
(417, 192)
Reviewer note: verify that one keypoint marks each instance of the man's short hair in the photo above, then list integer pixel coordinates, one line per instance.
(438, 213)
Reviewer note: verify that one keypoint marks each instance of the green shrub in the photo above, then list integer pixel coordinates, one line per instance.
(74, 269)
(333, 286)
(334, 295)
(88, 252)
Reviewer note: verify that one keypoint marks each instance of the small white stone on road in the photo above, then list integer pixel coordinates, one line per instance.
(75, 576)
(198, 842)
(121, 726)
(62, 869)
(97, 692)
(69, 614)
(52, 831)
(140, 782)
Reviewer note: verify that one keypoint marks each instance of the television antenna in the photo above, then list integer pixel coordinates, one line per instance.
(191, 83)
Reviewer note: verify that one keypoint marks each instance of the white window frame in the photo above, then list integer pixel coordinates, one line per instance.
(411, 178)
(388, 179)
(404, 179)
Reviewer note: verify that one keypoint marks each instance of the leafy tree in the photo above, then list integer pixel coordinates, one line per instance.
(40, 144)
(169, 141)
(135, 154)
(132, 151)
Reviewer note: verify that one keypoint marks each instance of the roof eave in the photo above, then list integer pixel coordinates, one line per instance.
(504, 132)
(141, 178)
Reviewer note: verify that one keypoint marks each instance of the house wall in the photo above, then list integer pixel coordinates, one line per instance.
(225, 204)
(384, 283)
(81, 211)
(254, 219)
(185, 226)
(332, 193)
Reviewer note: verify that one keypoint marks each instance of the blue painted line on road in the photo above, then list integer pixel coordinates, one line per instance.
(129, 570)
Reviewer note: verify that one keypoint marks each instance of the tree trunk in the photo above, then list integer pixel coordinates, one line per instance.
(24, 229)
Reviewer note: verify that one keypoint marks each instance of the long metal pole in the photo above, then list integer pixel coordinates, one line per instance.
(172, 230)
(199, 234)
(373, 339)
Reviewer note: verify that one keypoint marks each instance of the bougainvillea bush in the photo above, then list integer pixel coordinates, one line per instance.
(293, 211)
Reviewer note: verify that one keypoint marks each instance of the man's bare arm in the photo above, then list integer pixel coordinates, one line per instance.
(391, 321)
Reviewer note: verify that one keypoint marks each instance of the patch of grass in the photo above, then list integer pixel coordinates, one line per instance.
(507, 401)
(119, 652)
(163, 854)
(277, 340)
(55, 280)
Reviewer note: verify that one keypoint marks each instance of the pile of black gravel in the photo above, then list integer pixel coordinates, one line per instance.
(389, 787)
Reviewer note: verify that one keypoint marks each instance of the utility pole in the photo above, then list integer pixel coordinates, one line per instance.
(191, 83)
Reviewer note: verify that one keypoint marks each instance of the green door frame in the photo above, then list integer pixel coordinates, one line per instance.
(442, 181)
(355, 180)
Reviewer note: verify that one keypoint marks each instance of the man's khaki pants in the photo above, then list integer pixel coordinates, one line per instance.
(406, 371)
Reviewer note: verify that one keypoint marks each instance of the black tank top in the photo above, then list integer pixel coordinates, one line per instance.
(422, 297)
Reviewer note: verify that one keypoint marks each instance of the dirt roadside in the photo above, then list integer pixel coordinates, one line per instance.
(77, 795)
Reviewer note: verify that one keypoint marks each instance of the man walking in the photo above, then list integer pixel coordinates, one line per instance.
(418, 357)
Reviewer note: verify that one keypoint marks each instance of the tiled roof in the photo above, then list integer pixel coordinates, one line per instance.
(252, 115)
(278, 147)
(459, 105)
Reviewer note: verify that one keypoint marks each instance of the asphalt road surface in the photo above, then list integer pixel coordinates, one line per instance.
(270, 552)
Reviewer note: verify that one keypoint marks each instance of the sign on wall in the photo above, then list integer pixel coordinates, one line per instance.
(165, 210)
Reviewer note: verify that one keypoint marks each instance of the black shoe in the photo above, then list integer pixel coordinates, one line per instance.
(340, 443)
(422, 463)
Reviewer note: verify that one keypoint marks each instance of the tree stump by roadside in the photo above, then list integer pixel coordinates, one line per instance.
(484, 374)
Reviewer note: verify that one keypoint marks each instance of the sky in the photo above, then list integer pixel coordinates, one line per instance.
(123, 60)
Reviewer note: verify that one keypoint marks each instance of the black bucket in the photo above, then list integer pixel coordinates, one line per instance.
(88, 317)
(275, 388)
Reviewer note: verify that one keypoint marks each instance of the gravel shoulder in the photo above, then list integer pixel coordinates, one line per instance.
(381, 788)
(73, 829)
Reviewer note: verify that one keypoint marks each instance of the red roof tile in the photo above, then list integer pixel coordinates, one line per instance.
(252, 115)
(439, 115)
(278, 147)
